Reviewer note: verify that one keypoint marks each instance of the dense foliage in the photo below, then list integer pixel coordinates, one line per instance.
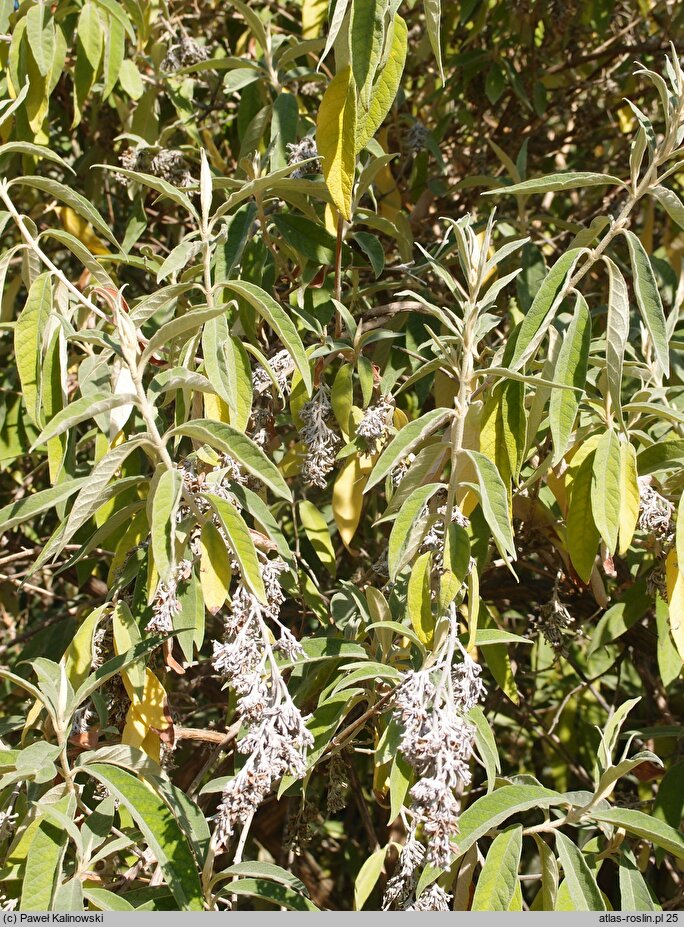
(341, 448)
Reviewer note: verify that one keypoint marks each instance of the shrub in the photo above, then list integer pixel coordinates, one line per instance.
(343, 527)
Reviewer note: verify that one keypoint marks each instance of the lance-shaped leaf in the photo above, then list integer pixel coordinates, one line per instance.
(29, 334)
(160, 830)
(579, 879)
(372, 115)
(544, 305)
(27, 508)
(644, 826)
(366, 36)
(241, 544)
(499, 875)
(80, 411)
(230, 441)
(629, 496)
(433, 23)
(605, 489)
(70, 198)
(494, 502)
(408, 438)
(165, 502)
(617, 333)
(570, 370)
(582, 533)
(567, 180)
(278, 319)
(634, 893)
(336, 139)
(670, 202)
(649, 301)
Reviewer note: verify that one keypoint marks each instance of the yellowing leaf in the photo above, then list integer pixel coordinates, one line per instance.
(82, 229)
(146, 716)
(336, 139)
(78, 657)
(419, 601)
(215, 408)
(674, 581)
(215, 569)
(313, 16)
(347, 498)
(378, 103)
(134, 535)
(317, 532)
(629, 496)
(582, 533)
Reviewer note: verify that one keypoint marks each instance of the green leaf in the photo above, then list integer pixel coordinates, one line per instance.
(549, 876)
(543, 308)
(36, 503)
(90, 34)
(419, 601)
(89, 498)
(277, 894)
(40, 32)
(266, 871)
(367, 877)
(489, 812)
(29, 335)
(80, 411)
(241, 543)
(567, 180)
(645, 826)
(189, 322)
(582, 533)
(433, 23)
(104, 900)
(570, 370)
(160, 830)
(336, 139)
(499, 876)
(494, 501)
(408, 438)
(617, 334)
(372, 113)
(670, 202)
(605, 489)
(70, 198)
(634, 893)
(366, 35)
(230, 441)
(165, 502)
(649, 301)
(579, 880)
(316, 529)
(398, 546)
(279, 321)
(43, 866)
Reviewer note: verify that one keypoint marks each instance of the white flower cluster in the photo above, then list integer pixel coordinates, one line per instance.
(281, 365)
(374, 425)
(277, 739)
(434, 539)
(301, 151)
(655, 513)
(437, 740)
(554, 622)
(320, 440)
(165, 605)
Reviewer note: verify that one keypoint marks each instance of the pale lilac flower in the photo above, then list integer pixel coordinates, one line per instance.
(320, 440)
(374, 426)
(437, 739)
(433, 898)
